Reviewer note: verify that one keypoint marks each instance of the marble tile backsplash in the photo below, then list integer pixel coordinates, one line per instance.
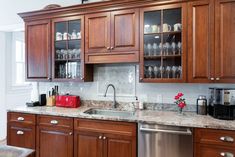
(125, 77)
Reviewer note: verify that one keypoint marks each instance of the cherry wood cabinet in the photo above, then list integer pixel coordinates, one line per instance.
(201, 41)
(96, 138)
(112, 37)
(54, 136)
(224, 41)
(211, 142)
(38, 50)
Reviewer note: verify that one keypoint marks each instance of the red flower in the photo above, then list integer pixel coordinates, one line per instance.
(181, 104)
(180, 94)
(177, 97)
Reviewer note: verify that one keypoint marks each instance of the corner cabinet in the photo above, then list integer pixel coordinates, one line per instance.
(38, 50)
(112, 37)
(163, 43)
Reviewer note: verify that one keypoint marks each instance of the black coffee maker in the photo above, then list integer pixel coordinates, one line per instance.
(222, 103)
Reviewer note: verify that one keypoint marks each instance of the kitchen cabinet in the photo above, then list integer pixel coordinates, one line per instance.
(68, 50)
(96, 138)
(163, 43)
(21, 130)
(38, 50)
(201, 41)
(211, 142)
(106, 39)
(54, 136)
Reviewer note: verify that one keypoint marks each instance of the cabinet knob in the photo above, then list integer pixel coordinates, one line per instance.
(226, 154)
(71, 133)
(48, 78)
(82, 78)
(104, 138)
(217, 79)
(112, 48)
(100, 137)
(141, 79)
(108, 48)
(20, 118)
(227, 139)
(212, 79)
(54, 122)
(20, 132)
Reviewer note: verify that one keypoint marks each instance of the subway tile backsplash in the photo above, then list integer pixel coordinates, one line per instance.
(126, 80)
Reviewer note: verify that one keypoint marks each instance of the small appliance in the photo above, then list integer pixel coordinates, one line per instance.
(69, 101)
(222, 103)
(42, 99)
(202, 105)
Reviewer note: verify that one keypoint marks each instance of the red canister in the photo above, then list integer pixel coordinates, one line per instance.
(69, 101)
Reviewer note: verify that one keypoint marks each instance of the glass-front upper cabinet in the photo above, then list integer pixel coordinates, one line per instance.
(68, 49)
(162, 56)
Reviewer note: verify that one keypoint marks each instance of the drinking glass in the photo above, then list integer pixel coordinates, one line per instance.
(174, 71)
(168, 72)
(179, 45)
(149, 47)
(173, 46)
(155, 47)
(167, 48)
(157, 72)
(162, 70)
(150, 71)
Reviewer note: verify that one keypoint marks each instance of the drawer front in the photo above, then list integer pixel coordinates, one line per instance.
(21, 118)
(21, 136)
(55, 121)
(212, 151)
(100, 126)
(216, 137)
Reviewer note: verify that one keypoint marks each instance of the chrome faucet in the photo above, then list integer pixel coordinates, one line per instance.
(114, 94)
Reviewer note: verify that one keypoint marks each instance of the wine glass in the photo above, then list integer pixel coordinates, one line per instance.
(179, 47)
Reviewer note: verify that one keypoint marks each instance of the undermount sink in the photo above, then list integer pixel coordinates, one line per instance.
(113, 113)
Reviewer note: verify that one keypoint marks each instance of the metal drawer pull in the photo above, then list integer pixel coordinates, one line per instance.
(20, 132)
(71, 133)
(104, 138)
(20, 118)
(187, 132)
(226, 154)
(227, 139)
(54, 122)
(100, 137)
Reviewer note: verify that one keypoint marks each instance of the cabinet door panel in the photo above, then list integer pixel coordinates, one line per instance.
(54, 142)
(125, 30)
(88, 145)
(200, 41)
(97, 33)
(225, 39)
(38, 57)
(117, 148)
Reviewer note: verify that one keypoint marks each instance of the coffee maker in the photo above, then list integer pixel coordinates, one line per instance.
(222, 103)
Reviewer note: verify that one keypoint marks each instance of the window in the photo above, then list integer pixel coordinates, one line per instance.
(19, 62)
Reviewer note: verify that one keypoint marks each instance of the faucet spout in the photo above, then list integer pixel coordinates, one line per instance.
(114, 94)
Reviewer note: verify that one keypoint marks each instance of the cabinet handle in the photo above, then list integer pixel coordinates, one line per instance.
(217, 79)
(141, 79)
(82, 78)
(100, 137)
(212, 79)
(48, 78)
(226, 154)
(108, 48)
(104, 138)
(71, 133)
(20, 132)
(112, 48)
(20, 118)
(54, 122)
(227, 139)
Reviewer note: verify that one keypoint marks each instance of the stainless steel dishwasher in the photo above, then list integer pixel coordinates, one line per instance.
(164, 141)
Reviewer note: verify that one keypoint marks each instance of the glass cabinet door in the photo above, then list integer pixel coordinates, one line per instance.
(67, 49)
(162, 57)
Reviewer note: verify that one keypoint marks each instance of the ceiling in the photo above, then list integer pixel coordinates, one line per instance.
(10, 21)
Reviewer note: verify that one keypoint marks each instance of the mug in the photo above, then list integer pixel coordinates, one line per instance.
(155, 29)
(65, 36)
(147, 29)
(166, 27)
(58, 36)
(177, 27)
(79, 35)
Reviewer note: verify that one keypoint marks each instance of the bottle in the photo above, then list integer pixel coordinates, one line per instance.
(202, 105)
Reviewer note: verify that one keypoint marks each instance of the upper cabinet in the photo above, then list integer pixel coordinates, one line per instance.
(38, 50)
(112, 37)
(201, 41)
(163, 43)
(224, 41)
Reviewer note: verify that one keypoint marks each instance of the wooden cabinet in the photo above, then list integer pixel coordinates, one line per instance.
(216, 143)
(224, 41)
(54, 136)
(38, 50)
(112, 37)
(21, 130)
(201, 41)
(105, 138)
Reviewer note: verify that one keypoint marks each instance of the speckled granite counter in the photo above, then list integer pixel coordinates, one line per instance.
(188, 119)
(9, 151)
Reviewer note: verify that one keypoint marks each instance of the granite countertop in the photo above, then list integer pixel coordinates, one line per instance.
(188, 119)
(10, 151)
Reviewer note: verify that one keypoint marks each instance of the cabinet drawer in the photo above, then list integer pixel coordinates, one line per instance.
(216, 137)
(118, 128)
(21, 136)
(55, 121)
(21, 118)
(203, 150)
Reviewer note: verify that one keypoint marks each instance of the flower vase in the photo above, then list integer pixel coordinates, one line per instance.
(180, 111)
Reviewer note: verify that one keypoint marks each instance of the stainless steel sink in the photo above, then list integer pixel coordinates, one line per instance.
(113, 113)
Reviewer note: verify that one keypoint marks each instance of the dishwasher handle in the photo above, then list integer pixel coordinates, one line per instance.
(186, 132)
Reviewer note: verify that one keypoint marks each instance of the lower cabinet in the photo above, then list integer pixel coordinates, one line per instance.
(95, 138)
